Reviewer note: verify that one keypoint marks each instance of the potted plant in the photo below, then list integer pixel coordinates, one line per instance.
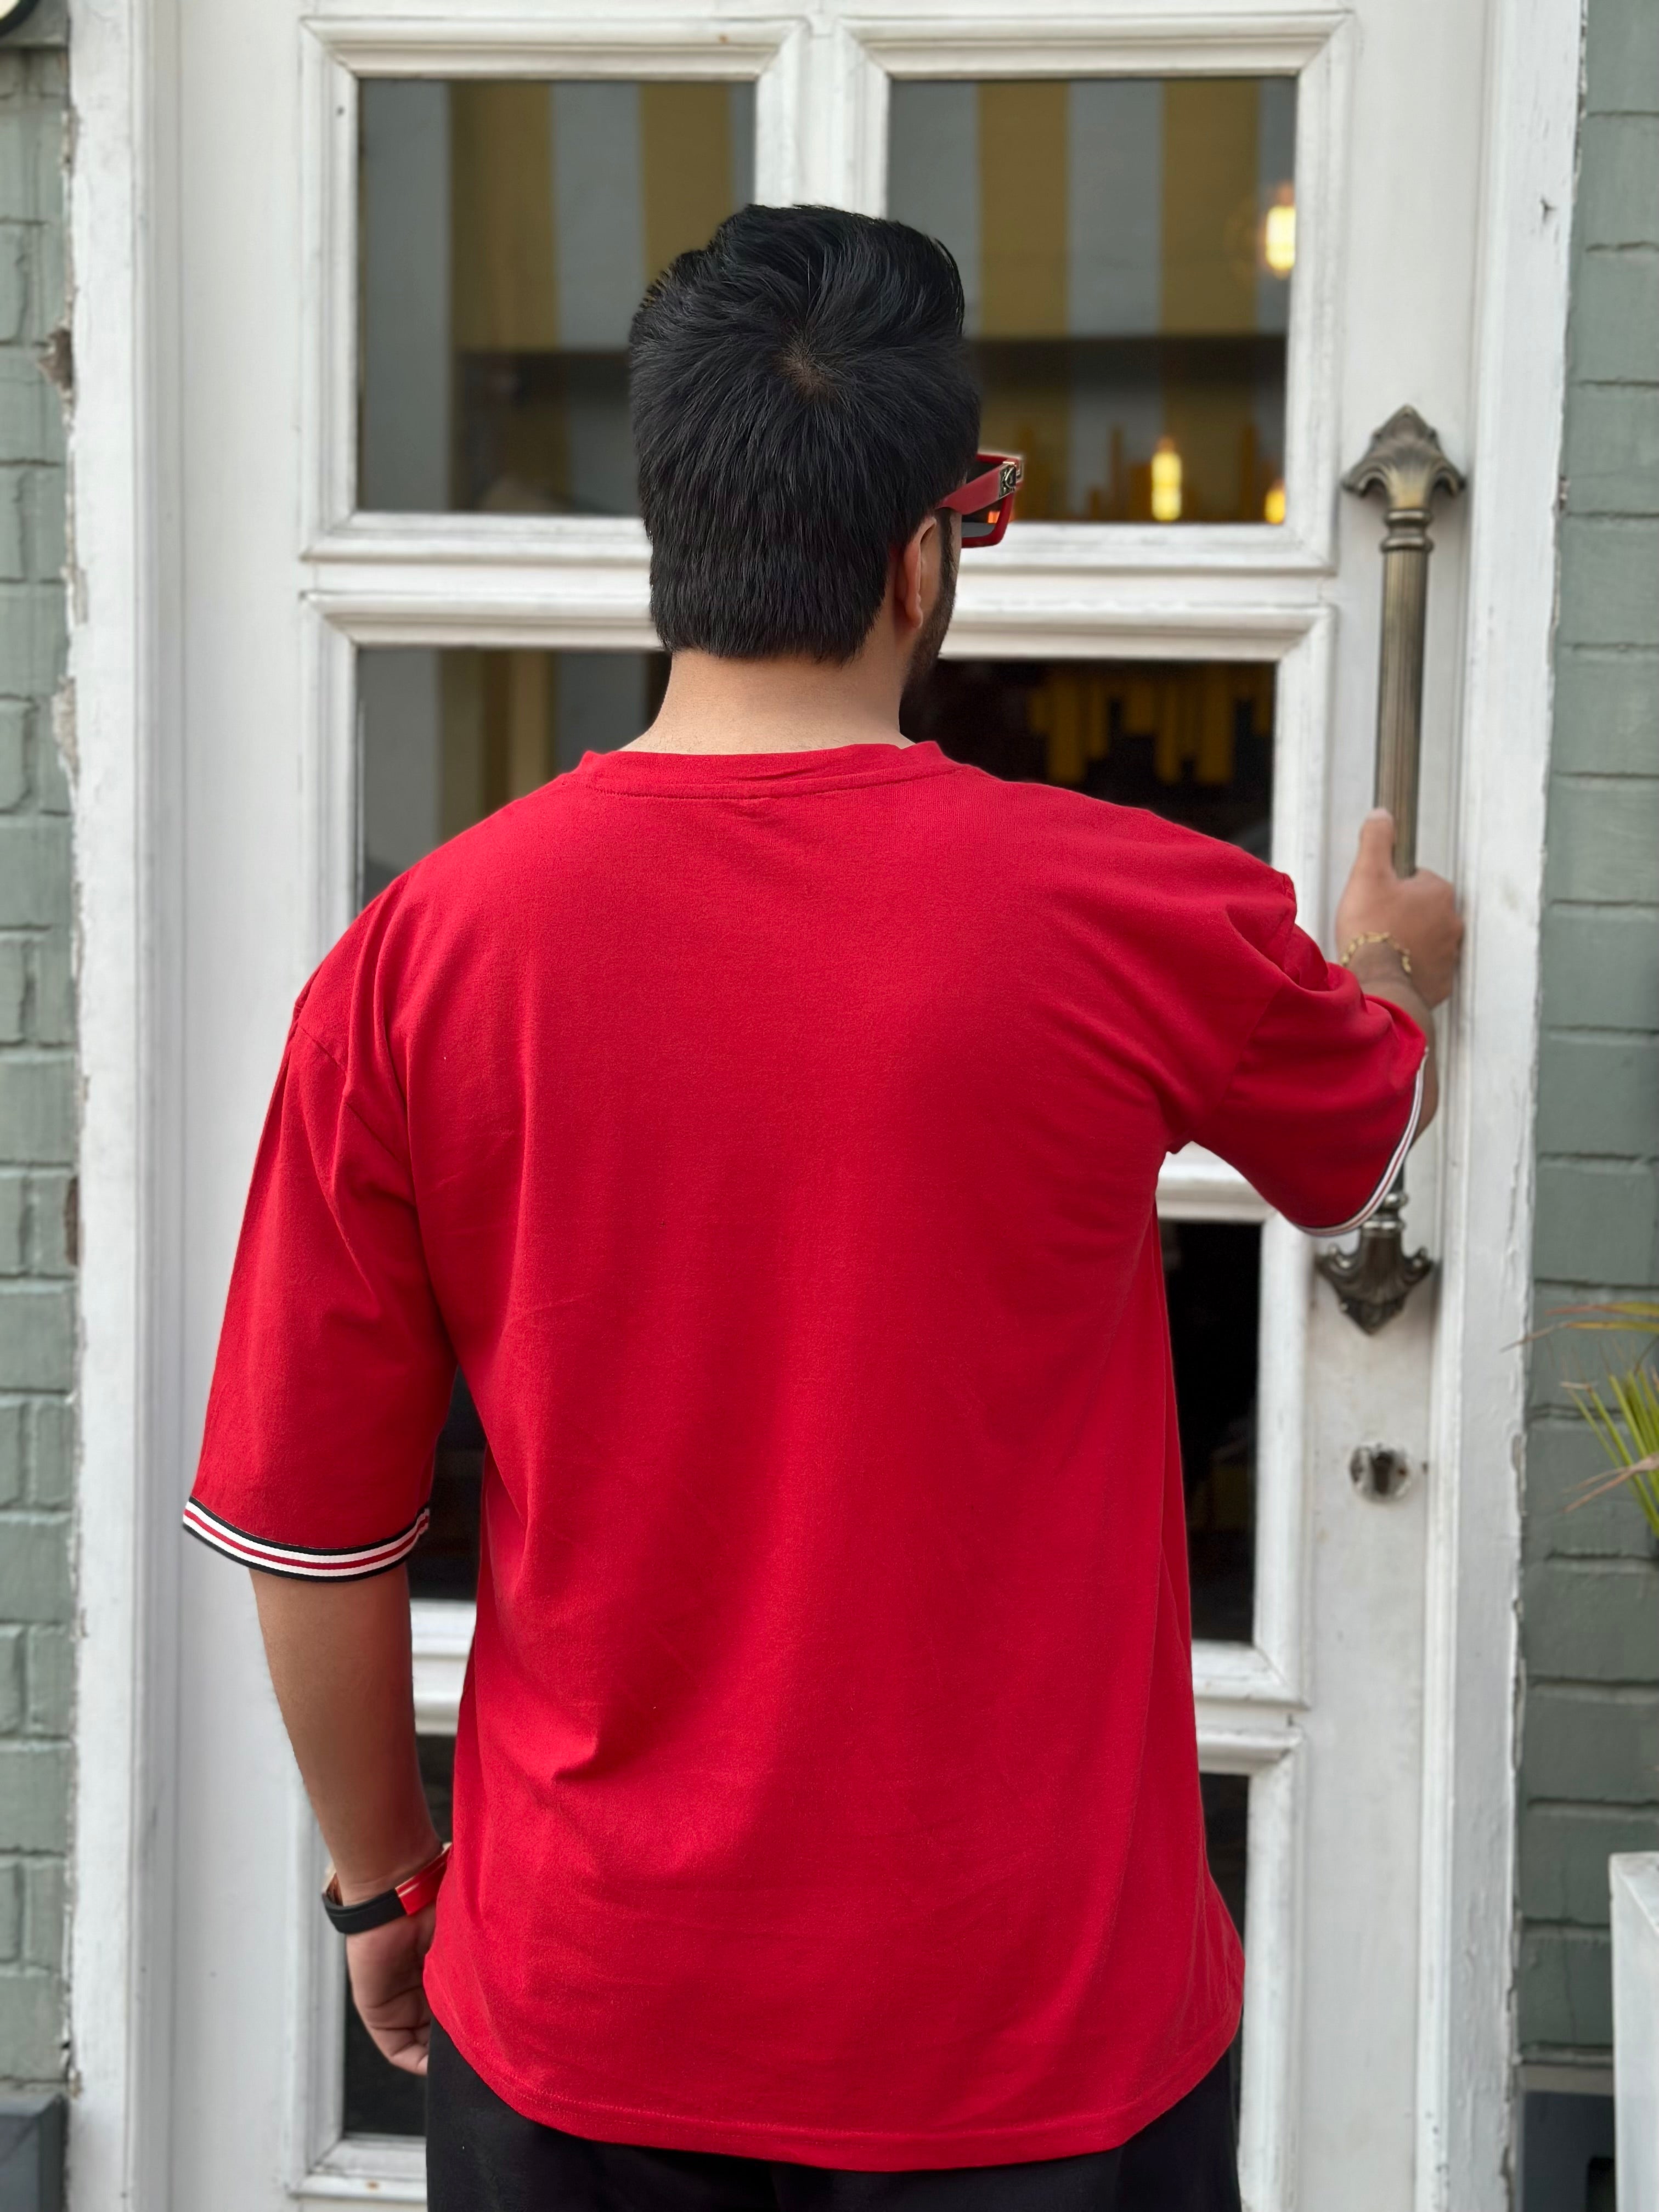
(1621, 1403)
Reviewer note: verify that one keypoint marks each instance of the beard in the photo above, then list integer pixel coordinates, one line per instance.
(930, 637)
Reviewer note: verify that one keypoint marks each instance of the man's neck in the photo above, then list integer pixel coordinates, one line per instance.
(714, 706)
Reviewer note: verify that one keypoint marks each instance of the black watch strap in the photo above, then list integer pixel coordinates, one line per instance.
(371, 1913)
(409, 1897)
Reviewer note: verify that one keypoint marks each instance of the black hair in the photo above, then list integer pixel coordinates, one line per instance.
(801, 399)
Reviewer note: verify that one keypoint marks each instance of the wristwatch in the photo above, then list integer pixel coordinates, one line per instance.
(406, 1899)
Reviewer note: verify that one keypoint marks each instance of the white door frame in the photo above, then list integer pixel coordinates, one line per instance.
(126, 605)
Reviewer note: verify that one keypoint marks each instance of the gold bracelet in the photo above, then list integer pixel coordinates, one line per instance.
(1376, 937)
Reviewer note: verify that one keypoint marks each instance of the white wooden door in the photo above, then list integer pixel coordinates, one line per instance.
(1208, 250)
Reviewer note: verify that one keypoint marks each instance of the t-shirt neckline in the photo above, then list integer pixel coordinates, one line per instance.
(826, 767)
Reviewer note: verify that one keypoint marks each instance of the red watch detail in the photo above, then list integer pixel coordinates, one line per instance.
(411, 1896)
(418, 1892)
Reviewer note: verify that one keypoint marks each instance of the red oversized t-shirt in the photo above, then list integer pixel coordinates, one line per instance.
(774, 1140)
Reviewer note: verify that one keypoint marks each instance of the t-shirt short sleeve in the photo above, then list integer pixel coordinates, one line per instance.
(1323, 1104)
(334, 1368)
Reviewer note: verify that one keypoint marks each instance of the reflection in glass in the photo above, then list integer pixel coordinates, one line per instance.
(380, 2100)
(1191, 740)
(508, 230)
(1126, 247)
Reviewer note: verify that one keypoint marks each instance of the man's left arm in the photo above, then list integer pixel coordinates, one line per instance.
(340, 1664)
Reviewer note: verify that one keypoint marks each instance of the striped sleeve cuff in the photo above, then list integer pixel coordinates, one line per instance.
(324, 1566)
(1396, 1162)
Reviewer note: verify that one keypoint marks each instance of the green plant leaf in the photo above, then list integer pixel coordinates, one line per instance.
(1621, 1407)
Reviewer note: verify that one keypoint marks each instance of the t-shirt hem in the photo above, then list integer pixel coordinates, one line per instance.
(852, 2150)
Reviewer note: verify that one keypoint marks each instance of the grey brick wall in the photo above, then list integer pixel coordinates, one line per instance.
(1589, 1634)
(37, 1091)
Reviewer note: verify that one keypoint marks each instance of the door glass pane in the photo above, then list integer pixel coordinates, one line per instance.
(449, 736)
(1226, 1831)
(1227, 1835)
(1211, 1276)
(446, 736)
(1191, 740)
(508, 229)
(1125, 246)
(379, 2099)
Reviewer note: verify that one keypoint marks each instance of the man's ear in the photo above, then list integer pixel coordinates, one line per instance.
(917, 578)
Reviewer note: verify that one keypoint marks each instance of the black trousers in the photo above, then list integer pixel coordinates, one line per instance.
(481, 2156)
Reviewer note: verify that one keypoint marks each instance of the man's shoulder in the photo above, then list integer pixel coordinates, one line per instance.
(453, 897)
(1140, 852)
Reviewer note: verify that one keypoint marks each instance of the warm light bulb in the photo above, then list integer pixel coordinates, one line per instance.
(1278, 233)
(1166, 482)
(1273, 508)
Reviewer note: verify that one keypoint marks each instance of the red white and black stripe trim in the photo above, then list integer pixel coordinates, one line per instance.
(339, 1566)
(1396, 1162)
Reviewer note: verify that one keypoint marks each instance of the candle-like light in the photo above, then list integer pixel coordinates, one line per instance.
(1273, 508)
(1279, 233)
(1166, 482)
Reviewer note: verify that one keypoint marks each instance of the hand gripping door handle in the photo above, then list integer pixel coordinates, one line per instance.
(1405, 462)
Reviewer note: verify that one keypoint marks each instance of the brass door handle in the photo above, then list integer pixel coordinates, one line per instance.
(1405, 463)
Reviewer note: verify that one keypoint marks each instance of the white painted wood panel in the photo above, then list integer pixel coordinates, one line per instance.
(1634, 1879)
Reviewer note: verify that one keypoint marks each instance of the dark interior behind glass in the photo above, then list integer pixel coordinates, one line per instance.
(1192, 740)
(1211, 1276)
(1226, 1831)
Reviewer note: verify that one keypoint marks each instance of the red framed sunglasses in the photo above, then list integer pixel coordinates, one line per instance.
(986, 501)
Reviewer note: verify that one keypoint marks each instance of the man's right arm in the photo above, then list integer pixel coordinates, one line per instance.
(1382, 916)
